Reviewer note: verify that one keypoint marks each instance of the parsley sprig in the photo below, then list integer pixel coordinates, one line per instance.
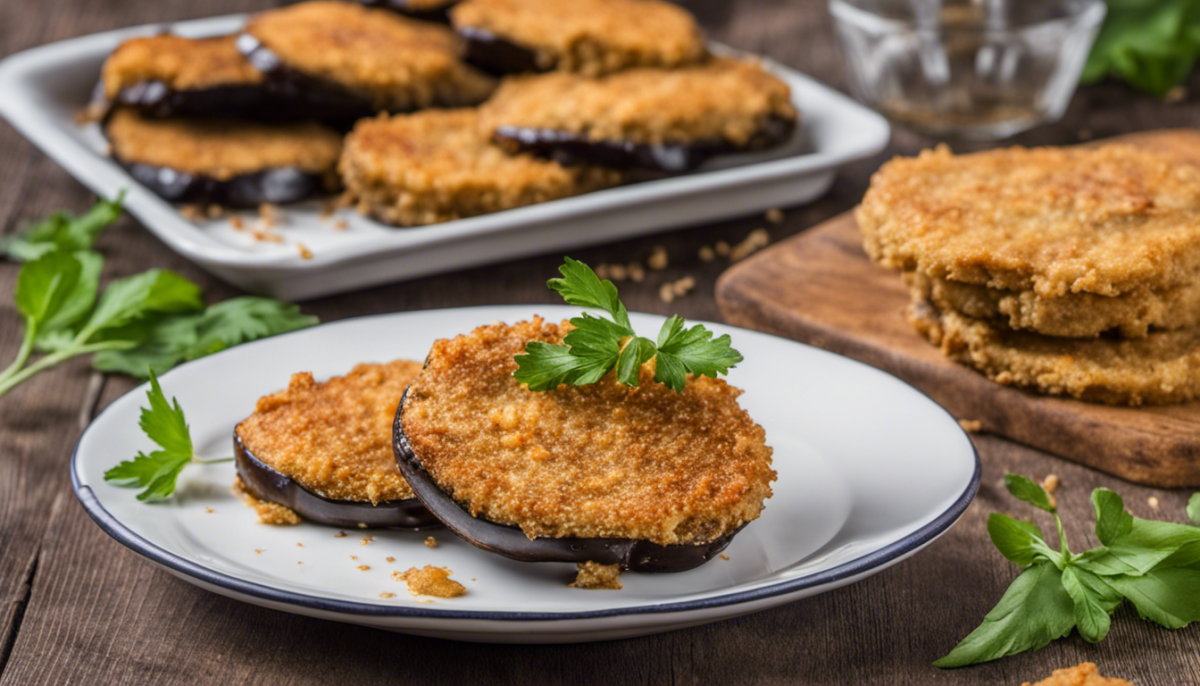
(597, 345)
(1153, 565)
(149, 321)
(164, 423)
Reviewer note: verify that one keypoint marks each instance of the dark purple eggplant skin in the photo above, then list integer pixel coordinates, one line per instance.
(573, 149)
(440, 15)
(495, 55)
(276, 186)
(308, 97)
(511, 542)
(271, 486)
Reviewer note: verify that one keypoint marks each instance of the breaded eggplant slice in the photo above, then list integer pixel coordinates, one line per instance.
(323, 450)
(652, 119)
(384, 61)
(173, 76)
(427, 10)
(642, 477)
(439, 165)
(1160, 368)
(225, 161)
(592, 37)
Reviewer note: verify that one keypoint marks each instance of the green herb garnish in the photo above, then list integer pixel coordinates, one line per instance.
(152, 320)
(163, 422)
(1150, 44)
(1153, 565)
(62, 231)
(596, 345)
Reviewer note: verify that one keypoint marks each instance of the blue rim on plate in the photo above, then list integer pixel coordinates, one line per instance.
(846, 570)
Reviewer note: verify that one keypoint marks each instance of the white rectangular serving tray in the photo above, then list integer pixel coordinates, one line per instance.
(45, 88)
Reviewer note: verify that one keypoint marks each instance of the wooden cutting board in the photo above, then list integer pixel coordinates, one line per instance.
(820, 288)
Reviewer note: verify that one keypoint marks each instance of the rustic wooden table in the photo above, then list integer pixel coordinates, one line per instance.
(78, 608)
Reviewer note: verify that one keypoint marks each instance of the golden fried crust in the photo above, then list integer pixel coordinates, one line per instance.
(334, 438)
(180, 63)
(592, 37)
(1106, 220)
(721, 100)
(396, 63)
(1074, 315)
(439, 165)
(1081, 675)
(222, 148)
(603, 460)
(1159, 369)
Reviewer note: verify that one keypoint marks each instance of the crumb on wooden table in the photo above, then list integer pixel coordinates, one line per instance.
(1176, 94)
(706, 254)
(658, 259)
(1050, 483)
(971, 426)
(756, 239)
(774, 216)
(721, 248)
(1152, 501)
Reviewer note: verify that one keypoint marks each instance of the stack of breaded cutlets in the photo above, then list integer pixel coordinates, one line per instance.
(1067, 271)
(584, 95)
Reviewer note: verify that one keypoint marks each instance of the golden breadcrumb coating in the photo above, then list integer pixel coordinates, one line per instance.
(267, 512)
(432, 581)
(1073, 315)
(720, 100)
(334, 438)
(222, 148)
(590, 36)
(180, 63)
(396, 63)
(439, 165)
(594, 576)
(602, 460)
(1080, 675)
(1159, 369)
(1106, 220)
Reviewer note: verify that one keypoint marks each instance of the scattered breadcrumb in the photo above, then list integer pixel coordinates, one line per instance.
(706, 254)
(269, 214)
(721, 248)
(658, 259)
(597, 577)
(366, 540)
(1176, 95)
(327, 209)
(363, 568)
(431, 542)
(215, 211)
(237, 223)
(299, 545)
(341, 225)
(774, 216)
(1050, 483)
(430, 580)
(340, 534)
(636, 272)
(268, 512)
(1082, 675)
(1152, 502)
(674, 289)
(362, 525)
(305, 253)
(192, 212)
(390, 559)
(387, 595)
(344, 200)
(266, 237)
(724, 556)
(259, 551)
(758, 238)
(1053, 500)
(299, 562)
(666, 293)
(971, 426)
(353, 557)
(209, 510)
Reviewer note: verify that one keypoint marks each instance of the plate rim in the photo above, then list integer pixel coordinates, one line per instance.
(879, 558)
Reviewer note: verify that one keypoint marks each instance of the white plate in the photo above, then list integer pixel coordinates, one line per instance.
(45, 87)
(870, 471)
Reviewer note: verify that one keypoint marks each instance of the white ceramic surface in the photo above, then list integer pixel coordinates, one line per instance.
(870, 470)
(44, 88)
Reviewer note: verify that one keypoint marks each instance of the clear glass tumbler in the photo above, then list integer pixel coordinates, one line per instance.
(975, 69)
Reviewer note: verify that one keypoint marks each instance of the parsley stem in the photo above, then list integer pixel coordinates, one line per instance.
(216, 460)
(1062, 537)
(26, 348)
(8, 382)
